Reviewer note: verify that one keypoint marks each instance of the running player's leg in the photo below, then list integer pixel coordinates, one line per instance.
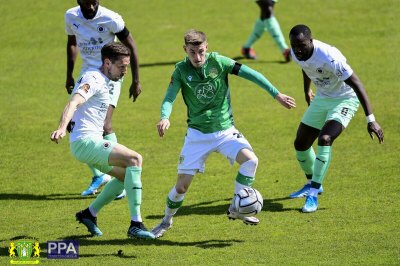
(235, 147)
(271, 24)
(338, 118)
(194, 153)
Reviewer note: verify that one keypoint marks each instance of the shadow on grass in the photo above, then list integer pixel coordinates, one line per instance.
(212, 243)
(15, 196)
(238, 58)
(88, 240)
(209, 208)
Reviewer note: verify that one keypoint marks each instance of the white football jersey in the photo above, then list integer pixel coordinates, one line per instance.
(92, 34)
(327, 68)
(88, 119)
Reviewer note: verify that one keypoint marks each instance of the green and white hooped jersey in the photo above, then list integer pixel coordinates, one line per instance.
(205, 92)
(92, 34)
(327, 68)
(88, 119)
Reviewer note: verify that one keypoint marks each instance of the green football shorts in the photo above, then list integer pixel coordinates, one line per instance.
(93, 151)
(324, 109)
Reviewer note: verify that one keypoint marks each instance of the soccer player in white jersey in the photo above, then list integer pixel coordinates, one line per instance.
(89, 27)
(87, 109)
(339, 93)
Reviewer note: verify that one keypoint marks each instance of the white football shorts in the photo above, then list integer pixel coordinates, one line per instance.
(198, 146)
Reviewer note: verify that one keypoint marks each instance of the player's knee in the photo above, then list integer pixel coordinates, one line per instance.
(249, 168)
(181, 189)
(325, 140)
(135, 159)
(299, 145)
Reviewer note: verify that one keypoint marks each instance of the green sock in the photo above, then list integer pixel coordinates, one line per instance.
(133, 187)
(244, 180)
(108, 194)
(258, 31)
(321, 164)
(95, 171)
(306, 160)
(273, 28)
(111, 137)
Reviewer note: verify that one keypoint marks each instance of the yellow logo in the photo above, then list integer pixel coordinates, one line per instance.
(21, 252)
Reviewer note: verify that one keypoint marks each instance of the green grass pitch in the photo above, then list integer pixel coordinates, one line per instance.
(358, 219)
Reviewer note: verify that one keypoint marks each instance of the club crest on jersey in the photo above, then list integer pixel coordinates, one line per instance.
(106, 145)
(85, 87)
(189, 78)
(205, 92)
(213, 73)
(101, 29)
(319, 70)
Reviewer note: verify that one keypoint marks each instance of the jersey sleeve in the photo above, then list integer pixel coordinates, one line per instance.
(86, 87)
(170, 95)
(117, 24)
(339, 65)
(259, 79)
(68, 24)
(226, 62)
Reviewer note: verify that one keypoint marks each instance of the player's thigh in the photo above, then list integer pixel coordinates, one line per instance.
(195, 151)
(343, 110)
(232, 144)
(316, 114)
(93, 151)
(123, 157)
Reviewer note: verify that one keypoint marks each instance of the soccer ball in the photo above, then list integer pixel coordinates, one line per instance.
(248, 202)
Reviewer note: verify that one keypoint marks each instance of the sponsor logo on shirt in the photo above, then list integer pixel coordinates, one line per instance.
(205, 92)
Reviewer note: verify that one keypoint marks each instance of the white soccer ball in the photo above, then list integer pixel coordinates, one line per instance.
(248, 202)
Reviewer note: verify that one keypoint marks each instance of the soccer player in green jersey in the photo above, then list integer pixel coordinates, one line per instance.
(203, 80)
(266, 22)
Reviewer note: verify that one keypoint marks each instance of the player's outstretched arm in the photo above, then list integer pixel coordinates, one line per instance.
(287, 101)
(163, 126)
(66, 116)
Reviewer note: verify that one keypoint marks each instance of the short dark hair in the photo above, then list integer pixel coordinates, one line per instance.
(301, 29)
(194, 37)
(114, 51)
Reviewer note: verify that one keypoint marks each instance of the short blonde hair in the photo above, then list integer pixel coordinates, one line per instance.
(194, 37)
